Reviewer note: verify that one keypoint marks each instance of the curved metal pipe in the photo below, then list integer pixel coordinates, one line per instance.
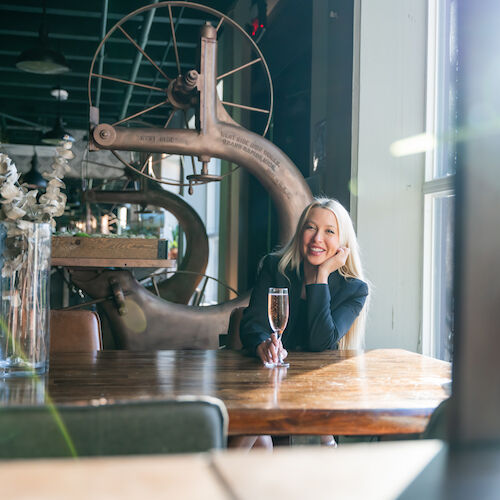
(180, 287)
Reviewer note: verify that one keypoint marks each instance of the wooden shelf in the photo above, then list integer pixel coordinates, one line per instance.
(73, 247)
(95, 262)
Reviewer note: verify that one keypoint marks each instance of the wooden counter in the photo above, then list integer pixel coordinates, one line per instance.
(385, 391)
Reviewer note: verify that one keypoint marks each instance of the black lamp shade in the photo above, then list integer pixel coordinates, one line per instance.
(57, 135)
(33, 177)
(42, 60)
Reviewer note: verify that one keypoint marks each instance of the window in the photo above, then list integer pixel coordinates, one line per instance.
(438, 190)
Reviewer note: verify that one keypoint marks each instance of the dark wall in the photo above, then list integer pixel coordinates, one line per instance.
(335, 170)
(286, 46)
(309, 47)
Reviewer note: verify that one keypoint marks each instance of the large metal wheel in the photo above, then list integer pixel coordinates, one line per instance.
(169, 77)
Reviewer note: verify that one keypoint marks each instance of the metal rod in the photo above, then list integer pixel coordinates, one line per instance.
(104, 21)
(219, 24)
(175, 40)
(239, 68)
(187, 126)
(178, 271)
(140, 112)
(155, 286)
(26, 122)
(127, 82)
(89, 14)
(169, 182)
(245, 107)
(167, 50)
(167, 123)
(144, 53)
(145, 164)
(202, 291)
(137, 63)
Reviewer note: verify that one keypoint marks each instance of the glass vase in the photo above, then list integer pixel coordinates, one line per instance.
(25, 298)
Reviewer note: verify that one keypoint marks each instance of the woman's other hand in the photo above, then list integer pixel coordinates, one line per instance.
(332, 264)
(268, 350)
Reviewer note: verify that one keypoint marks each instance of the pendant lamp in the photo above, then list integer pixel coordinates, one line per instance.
(33, 177)
(57, 135)
(41, 58)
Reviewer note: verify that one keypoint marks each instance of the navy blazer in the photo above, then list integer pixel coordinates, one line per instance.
(330, 309)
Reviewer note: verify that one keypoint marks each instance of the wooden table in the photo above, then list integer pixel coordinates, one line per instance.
(406, 470)
(385, 391)
(376, 471)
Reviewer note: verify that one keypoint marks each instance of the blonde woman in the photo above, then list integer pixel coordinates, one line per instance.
(321, 268)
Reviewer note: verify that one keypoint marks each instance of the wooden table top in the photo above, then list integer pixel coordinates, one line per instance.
(384, 391)
(378, 471)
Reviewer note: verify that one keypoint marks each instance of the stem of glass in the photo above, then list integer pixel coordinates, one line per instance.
(279, 334)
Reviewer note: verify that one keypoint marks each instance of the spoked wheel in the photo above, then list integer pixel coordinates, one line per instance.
(160, 85)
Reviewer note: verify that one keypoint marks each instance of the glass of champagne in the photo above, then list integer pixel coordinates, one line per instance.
(277, 310)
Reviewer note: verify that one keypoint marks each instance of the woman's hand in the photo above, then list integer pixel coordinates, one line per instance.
(268, 350)
(332, 264)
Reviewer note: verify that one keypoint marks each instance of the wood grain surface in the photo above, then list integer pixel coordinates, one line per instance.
(106, 248)
(384, 391)
(84, 262)
(375, 471)
(187, 477)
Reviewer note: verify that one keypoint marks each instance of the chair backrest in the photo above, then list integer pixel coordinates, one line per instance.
(186, 424)
(75, 331)
(233, 332)
(437, 428)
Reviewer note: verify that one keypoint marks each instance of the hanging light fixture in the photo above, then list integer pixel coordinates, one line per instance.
(42, 59)
(57, 135)
(33, 177)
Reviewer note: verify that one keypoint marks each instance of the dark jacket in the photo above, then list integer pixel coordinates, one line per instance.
(317, 323)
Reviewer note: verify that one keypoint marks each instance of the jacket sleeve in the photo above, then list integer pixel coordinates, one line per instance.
(254, 327)
(327, 322)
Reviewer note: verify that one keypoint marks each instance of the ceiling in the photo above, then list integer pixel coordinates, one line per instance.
(76, 28)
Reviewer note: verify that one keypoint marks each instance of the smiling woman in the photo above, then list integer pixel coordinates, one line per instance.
(321, 268)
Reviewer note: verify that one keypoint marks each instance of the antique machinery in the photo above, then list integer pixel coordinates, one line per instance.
(141, 320)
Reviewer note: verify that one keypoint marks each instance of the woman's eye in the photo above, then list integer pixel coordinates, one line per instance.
(330, 231)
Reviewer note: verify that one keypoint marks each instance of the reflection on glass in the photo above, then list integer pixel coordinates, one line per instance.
(23, 391)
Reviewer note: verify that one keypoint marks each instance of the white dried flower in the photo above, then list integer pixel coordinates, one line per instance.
(18, 202)
(13, 212)
(10, 191)
(65, 153)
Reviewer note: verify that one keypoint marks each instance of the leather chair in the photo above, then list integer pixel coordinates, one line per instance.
(75, 331)
(233, 332)
(185, 424)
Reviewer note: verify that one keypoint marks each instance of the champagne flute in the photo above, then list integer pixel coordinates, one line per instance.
(277, 310)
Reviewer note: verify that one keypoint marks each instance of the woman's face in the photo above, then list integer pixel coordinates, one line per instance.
(320, 236)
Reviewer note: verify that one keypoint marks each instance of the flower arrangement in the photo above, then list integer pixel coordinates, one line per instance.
(21, 205)
(26, 223)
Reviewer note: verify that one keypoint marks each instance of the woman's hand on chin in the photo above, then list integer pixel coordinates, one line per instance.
(332, 264)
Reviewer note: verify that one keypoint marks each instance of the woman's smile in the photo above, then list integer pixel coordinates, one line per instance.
(320, 236)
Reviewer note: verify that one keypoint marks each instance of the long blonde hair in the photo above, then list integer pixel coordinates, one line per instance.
(292, 258)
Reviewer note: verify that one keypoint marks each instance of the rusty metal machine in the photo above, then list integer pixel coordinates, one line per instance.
(139, 319)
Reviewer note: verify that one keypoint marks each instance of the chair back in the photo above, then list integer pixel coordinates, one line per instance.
(437, 428)
(75, 331)
(233, 332)
(185, 424)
